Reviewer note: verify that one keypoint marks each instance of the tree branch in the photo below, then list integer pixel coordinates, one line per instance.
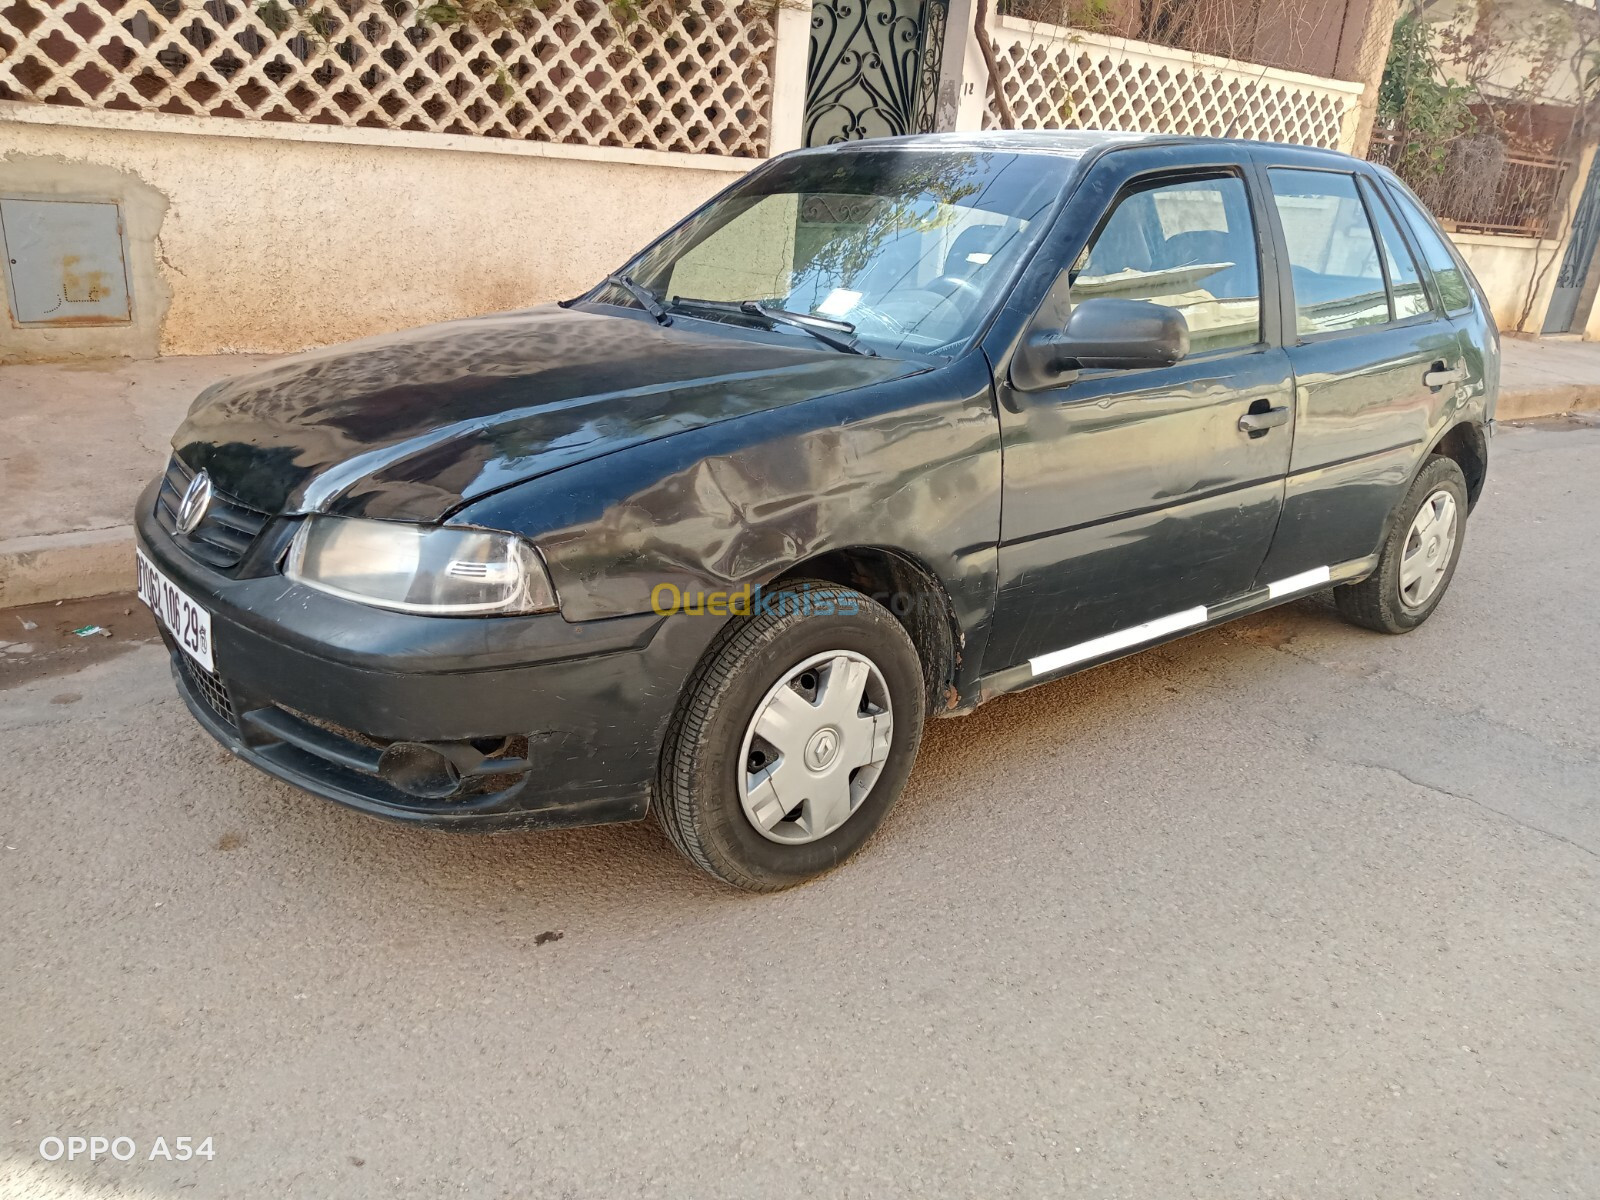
(980, 27)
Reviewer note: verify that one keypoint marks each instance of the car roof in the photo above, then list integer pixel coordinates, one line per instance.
(1065, 143)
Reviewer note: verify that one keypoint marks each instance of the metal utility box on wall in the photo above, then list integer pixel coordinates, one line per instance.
(66, 262)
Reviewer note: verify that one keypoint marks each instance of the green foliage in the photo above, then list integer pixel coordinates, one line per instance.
(323, 23)
(1094, 16)
(484, 15)
(274, 16)
(320, 24)
(1422, 112)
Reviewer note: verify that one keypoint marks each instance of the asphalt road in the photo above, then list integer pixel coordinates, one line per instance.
(1284, 909)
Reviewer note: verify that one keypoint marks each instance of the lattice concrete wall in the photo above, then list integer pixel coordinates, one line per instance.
(691, 77)
(1056, 78)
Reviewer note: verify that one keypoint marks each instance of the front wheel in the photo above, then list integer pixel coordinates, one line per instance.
(793, 738)
(1419, 558)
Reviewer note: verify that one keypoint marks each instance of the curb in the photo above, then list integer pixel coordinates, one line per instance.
(66, 566)
(93, 562)
(1547, 402)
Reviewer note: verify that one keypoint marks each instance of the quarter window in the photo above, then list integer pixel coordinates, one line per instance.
(1405, 280)
(1189, 245)
(1453, 288)
(1333, 258)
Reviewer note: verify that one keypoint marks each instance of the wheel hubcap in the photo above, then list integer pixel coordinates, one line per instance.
(1429, 545)
(816, 745)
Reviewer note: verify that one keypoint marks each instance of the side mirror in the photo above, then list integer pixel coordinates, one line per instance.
(1103, 332)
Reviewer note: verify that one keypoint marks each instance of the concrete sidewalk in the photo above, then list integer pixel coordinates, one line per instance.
(1543, 377)
(78, 442)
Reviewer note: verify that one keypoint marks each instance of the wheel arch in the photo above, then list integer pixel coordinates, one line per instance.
(914, 595)
(1467, 445)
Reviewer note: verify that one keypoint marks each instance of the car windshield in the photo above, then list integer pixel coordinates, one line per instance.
(909, 247)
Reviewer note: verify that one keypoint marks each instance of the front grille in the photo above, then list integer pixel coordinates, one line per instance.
(207, 686)
(224, 533)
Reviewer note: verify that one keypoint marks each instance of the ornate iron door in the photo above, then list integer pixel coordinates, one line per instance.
(1563, 314)
(873, 69)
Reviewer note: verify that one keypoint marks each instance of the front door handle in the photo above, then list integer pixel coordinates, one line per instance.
(1440, 375)
(1257, 423)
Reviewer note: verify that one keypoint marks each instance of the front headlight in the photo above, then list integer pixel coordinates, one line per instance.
(420, 568)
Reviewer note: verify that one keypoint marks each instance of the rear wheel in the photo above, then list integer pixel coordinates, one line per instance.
(1419, 558)
(793, 738)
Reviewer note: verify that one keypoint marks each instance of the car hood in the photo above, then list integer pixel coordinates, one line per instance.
(412, 425)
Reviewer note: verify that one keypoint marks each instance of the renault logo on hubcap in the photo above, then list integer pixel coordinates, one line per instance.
(823, 748)
(196, 499)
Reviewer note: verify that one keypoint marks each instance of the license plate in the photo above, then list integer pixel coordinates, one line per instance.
(189, 624)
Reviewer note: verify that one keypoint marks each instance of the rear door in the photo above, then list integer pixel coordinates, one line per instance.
(1373, 358)
(1133, 498)
(1457, 294)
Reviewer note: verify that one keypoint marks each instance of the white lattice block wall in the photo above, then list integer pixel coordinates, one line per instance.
(693, 77)
(1056, 78)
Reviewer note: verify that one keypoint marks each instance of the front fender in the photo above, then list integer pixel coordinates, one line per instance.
(912, 464)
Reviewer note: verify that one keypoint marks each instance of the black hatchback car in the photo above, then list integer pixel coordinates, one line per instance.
(883, 431)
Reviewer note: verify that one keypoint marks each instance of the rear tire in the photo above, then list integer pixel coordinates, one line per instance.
(834, 680)
(1419, 557)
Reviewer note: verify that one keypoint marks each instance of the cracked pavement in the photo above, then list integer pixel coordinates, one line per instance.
(1285, 909)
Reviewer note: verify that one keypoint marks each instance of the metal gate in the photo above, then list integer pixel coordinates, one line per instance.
(1563, 312)
(873, 69)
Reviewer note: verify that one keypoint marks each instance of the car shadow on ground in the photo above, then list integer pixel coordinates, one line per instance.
(630, 865)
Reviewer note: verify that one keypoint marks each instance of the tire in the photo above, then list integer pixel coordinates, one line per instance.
(1380, 601)
(704, 798)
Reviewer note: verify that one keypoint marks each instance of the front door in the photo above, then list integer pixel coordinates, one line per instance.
(1134, 499)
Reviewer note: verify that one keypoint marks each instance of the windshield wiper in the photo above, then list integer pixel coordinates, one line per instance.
(643, 295)
(838, 334)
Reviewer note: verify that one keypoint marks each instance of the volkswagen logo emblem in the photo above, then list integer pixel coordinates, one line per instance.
(196, 499)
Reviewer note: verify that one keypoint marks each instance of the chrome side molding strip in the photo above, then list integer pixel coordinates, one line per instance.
(1150, 631)
(1121, 640)
(1305, 581)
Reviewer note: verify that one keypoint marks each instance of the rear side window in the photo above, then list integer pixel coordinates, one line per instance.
(1405, 279)
(1188, 244)
(1333, 258)
(1453, 287)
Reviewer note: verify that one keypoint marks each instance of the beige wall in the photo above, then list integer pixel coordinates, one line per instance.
(1503, 266)
(312, 236)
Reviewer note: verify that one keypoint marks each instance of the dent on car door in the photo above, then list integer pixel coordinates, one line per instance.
(1476, 393)
(1134, 498)
(1374, 360)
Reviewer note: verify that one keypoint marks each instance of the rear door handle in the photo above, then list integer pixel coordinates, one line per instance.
(1257, 423)
(1442, 376)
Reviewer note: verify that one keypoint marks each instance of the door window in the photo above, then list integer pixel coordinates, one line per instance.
(1333, 258)
(1453, 287)
(1405, 279)
(1189, 245)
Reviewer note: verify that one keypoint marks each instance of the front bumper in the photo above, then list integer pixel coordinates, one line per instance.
(554, 724)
